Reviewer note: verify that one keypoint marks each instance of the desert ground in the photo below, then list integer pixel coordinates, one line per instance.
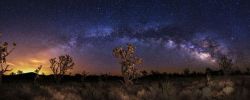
(150, 87)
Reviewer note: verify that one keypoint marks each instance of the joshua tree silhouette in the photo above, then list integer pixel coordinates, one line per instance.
(128, 61)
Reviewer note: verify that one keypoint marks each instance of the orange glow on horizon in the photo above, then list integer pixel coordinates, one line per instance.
(30, 62)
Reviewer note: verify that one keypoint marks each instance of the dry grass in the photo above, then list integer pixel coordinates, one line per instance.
(186, 89)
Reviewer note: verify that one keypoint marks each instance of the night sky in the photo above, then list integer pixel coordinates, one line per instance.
(168, 34)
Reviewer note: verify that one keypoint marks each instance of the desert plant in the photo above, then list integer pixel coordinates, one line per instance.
(166, 87)
(186, 71)
(38, 69)
(84, 74)
(3, 70)
(225, 64)
(105, 76)
(155, 72)
(4, 52)
(208, 79)
(37, 72)
(144, 73)
(248, 70)
(128, 62)
(19, 72)
(61, 66)
(208, 71)
(12, 73)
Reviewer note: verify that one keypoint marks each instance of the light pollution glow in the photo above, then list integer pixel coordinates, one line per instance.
(31, 62)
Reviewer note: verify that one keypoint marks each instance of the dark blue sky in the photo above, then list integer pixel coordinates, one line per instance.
(169, 34)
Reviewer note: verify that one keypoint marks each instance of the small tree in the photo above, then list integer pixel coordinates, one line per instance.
(4, 52)
(37, 72)
(84, 74)
(38, 69)
(144, 73)
(61, 66)
(128, 61)
(225, 64)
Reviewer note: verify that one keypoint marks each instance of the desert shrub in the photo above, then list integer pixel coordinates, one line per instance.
(84, 74)
(225, 64)
(4, 52)
(19, 72)
(144, 73)
(186, 71)
(61, 66)
(37, 72)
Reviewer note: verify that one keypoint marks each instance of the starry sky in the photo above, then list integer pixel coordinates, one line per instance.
(168, 34)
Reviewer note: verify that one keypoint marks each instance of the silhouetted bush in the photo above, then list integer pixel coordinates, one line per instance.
(61, 66)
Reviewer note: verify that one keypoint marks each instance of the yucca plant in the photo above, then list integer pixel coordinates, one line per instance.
(128, 61)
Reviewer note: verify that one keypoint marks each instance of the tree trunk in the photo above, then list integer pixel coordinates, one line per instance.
(1, 78)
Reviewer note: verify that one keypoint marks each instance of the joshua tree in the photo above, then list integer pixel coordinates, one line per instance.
(226, 64)
(37, 72)
(128, 61)
(4, 52)
(61, 66)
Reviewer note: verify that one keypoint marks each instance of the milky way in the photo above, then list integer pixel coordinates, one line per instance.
(168, 35)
